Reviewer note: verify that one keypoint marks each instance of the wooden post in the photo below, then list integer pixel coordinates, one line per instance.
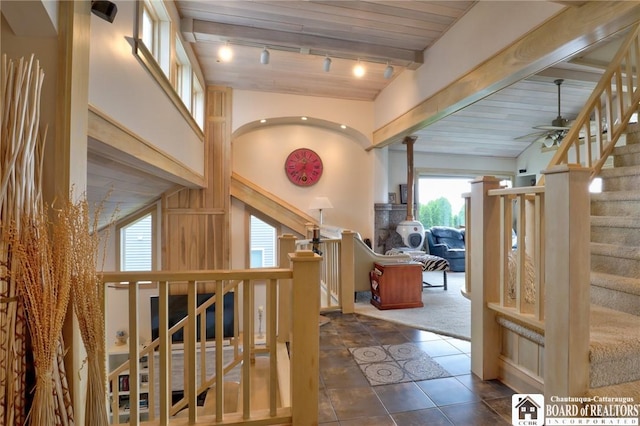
(347, 271)
(305, 342)
(567, 277)
(286, 245)
(484, 280)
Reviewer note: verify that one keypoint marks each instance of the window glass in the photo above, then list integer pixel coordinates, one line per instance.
(136, 249)
(262, 244)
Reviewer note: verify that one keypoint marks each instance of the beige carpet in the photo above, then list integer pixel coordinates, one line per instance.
(444, 312)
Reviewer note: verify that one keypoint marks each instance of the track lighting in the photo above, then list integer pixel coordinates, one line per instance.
(225, 54)
(326, 64)
(358, 70)
(264, 56)
(388, 71)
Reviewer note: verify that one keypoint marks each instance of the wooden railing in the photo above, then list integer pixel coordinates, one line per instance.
(605, 116)
(295, 402)
(521, 265)
(330, 277)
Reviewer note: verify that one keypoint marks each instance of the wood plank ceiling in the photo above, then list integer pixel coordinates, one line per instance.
(300, 35)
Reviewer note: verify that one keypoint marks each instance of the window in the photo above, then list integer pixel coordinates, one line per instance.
(440, 201)
(183, 74)
(262, 244)
(155, 33)
(168, 59)
(136, 244)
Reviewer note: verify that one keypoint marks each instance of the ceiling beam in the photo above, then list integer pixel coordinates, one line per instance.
(571, 31)
(194, 30)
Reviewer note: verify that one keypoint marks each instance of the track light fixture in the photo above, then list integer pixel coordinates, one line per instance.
(358, 70)
(264, 56)
(388, 71)
(326, 64)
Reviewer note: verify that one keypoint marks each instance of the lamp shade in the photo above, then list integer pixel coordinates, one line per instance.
(320, 203)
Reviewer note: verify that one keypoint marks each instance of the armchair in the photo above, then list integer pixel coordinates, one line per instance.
(448, 243)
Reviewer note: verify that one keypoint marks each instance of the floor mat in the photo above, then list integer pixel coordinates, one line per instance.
(388, 364)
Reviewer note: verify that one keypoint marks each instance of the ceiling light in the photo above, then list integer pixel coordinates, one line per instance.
(264, 56)
(303, 118)
(225, 54)
(264, 120)
(388, 71)
(326, 65)
(343, 126)
(358, 70)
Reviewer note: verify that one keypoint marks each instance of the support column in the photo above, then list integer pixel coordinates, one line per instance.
(305, 343)
(347, 271)
(484, 258)
(567, 278)
(286, 246)
(69, 160)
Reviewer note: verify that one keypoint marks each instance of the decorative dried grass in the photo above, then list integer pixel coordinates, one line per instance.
(41, 251)
(20, 193)
(88, 302)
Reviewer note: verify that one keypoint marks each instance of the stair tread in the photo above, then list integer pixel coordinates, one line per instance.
(614, 335)
(622, 390)
(616, 221)
(625, 252)
(616, 282)
(620, 171)
(627, 149)
(616, 196)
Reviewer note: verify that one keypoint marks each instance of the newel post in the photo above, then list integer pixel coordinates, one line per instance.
(305, 342)
(567, 277)
(347, 271)
(485, 256)
(286, 245)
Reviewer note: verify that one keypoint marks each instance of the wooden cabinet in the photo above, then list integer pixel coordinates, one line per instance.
(396, 285)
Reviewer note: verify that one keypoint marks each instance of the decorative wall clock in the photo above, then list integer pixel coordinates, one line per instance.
(303, 167)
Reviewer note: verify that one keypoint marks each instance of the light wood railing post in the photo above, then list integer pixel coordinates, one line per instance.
(347, 271)
(286, 245)
(567, 277)
(484, 242)
(305, 342)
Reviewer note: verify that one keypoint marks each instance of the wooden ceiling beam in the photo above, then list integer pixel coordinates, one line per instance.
(571, 31)
(195, 30)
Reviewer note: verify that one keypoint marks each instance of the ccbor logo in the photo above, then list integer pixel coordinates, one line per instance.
(527, 409)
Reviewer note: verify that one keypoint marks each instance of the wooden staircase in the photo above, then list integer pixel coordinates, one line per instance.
(615, 282)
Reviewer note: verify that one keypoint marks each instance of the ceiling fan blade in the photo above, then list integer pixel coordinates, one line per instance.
(530, 135)
(551, 128)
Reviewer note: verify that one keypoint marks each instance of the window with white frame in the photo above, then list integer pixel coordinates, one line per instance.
(160, 44)
(136, 244)
(183, 74)
(156, 33)
(262, 240)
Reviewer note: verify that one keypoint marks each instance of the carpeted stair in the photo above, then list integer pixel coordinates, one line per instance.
(615, 274)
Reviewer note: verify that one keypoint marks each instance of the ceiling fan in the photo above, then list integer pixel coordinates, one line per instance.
(551, 134)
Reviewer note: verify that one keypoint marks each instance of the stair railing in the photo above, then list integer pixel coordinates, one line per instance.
(297, 406)
(606, 114)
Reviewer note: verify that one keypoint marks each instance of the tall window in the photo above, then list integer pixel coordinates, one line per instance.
(136, 244)
(262, 245)
(167, 58)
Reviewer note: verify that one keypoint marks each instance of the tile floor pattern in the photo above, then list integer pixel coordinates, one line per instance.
(347, 398)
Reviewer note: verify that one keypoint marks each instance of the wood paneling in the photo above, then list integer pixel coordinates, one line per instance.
(196, 221)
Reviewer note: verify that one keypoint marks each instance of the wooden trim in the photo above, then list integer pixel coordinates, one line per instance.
(113, 140)
(269, 204)
(572, 30)
(518, 378)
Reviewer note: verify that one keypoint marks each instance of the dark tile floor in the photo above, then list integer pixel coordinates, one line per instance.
(347, 398)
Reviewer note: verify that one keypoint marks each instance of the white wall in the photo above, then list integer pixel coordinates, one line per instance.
(260, 155)
(121, 87)
(439, 163)
(486, 29)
